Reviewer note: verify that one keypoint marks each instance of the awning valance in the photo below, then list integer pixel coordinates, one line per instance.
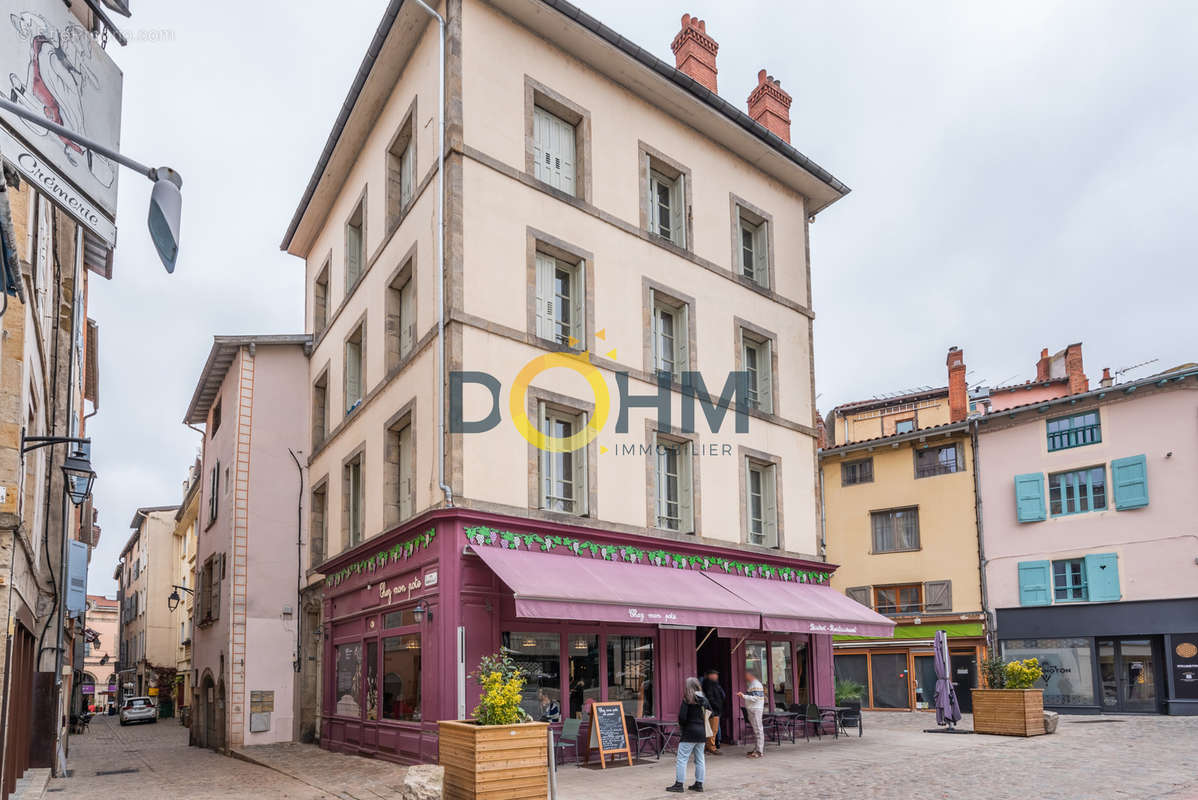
(550, 586)
(804, 607)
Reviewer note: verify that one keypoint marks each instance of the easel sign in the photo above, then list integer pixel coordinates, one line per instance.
(608, 734)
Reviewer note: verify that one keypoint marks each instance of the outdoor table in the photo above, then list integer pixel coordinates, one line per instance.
(667, 732)
(786, 718)
(836, 712)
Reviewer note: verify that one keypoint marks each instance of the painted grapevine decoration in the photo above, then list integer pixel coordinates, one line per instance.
(490, 537)
(399, 552)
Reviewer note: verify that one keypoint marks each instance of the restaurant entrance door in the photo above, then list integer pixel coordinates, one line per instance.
(715, 652)
(1128, 671)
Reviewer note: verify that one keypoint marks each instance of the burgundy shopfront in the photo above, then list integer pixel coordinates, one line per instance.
(590, 615)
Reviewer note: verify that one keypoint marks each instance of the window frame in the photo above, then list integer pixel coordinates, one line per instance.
(898, 608)
(687, 481)
(1069, 437)
(844, 465)
(400, 313)
(348, 496)
(359, 212)
(539, 96)
(873, 539)
(318, 524)
(659, 170)
(1082, 585)
(937, 470)
(399, 462)
(540, 401)
(549, 413)
(769, 467)
(542, 247)
(1055, 482)
(321, 297)
(905, 421)
(757, 338)
(356, 336)
(401, 162)
(320, 408)
(761, 226)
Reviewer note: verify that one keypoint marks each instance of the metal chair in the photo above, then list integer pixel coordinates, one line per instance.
(567, 739)
(769, 727)
(816, 718)
(640, 734)
(852, 718)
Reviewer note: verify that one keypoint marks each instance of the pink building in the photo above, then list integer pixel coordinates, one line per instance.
(249, 567)
(1090, 550)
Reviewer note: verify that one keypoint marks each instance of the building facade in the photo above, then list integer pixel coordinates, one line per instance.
(900, 520)
(183, 584)
(1089, 548)
(101, 649)
(615, 233)
(146, 633)
(248, 560)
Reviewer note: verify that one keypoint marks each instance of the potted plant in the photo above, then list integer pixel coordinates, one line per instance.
(848, 691)
(1009, 706)
(500, 751)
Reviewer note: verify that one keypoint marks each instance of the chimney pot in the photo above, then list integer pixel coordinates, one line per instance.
(770, 105)
(695, 52)
(1107, 380)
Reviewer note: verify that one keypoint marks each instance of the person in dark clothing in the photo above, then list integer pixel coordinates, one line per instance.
(715, 697)
(692, 724)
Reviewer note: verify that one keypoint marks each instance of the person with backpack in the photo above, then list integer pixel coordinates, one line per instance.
(692, 725)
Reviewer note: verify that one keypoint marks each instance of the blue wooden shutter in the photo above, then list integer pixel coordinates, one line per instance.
(1035, 583)
(1029, 497)
(1130, 477)
(76, 577)
(1102, 577)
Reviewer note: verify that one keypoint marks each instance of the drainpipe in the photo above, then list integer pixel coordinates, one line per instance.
(991, 642)
(823, 518)
(445, 488)
(299, 558)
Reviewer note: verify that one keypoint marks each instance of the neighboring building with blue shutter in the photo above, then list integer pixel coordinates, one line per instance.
(1090, 547)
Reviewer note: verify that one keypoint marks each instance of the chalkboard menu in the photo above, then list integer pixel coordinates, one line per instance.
(1184, 659)
(608, 734)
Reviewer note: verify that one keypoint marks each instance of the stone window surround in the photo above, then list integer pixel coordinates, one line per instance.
(322, 275)
(403, 274)
(405, 416)
(321, 485)
(569, 405)
(736, 206)
(547, 244)
(394, 220)
(322, 376)
(744, 455)
(651, 290)
(740, 327)
(646, 156)
(538, 94)
(357, 454)
(653, 431)
(359, 325)
(360, 203)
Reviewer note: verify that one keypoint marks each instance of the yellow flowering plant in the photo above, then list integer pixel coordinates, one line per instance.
(1022, 674)
(502, 683)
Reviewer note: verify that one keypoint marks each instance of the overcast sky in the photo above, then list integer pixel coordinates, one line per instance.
(1023, 176)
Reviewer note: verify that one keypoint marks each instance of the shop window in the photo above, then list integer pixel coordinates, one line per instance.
(889, 673)
(895, 530)
(855, 472)
(802, 677)
(1067, 667)
(755, 655)
(349, 679)
(399, 619)
(781, 674)
(402, 677)
(539, 655)
(630, 673)
(943, 460)
(372, 679)
(1077, 492)
(583, 659)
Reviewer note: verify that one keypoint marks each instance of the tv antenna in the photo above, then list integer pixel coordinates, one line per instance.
(1124, 370)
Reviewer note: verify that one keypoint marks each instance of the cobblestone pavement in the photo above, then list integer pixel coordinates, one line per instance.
(154, 762)
(1089, 758)
(342, 776)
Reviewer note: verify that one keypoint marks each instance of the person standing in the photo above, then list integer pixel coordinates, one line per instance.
(754, 698)
(716, 697)
(692, 724)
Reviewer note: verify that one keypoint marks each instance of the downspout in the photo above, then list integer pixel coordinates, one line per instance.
(445, 488)
(299, 558)
(823, 518)
(991, 642)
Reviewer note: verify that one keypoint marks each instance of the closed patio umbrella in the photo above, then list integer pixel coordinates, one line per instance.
(947, 710)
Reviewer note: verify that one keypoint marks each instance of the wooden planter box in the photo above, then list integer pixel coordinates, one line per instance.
(1009, 712)
(487, 762)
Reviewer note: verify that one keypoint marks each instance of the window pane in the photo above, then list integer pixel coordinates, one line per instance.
(755, 660)
(398, 619)
(889, 671)
(563, 291)
(630, 673)
(583, 656)
(1098, 487)
(853, 668)
(1066, 664)
(925, 681)
(539, 655)
(781, 674)
(746, 251)
(349, 679)
(401, 677)
(372, 679)
(1054, 494)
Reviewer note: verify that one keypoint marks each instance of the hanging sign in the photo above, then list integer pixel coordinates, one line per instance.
(608, 734)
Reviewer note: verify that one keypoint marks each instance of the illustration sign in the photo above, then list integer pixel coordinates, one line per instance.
(1184, 660)
(53, 67)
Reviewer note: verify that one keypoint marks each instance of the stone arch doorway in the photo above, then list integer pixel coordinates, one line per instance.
(203, 723)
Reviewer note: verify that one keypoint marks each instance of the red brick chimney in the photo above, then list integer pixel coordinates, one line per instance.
(1043, 366)
(1078, 382)
(1107, 380)
(695, 51)
(958, 398)
(770, 106)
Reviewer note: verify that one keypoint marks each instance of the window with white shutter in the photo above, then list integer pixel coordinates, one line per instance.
(398, 456)
(563, 475)
(401, 318)
(353, 500)
(757, 361)
(669, 335)
(761, 493)
(355, 246)
(752, 252)
(675, 506)
(561, 301)
(667, 206)
(401, 174)
(554, 150)
(354, 368)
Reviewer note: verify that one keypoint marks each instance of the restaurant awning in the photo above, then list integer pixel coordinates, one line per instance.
(551, 586)
(804, 607)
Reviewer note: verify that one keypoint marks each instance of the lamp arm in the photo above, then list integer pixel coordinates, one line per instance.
(30, 443)
(184, 588)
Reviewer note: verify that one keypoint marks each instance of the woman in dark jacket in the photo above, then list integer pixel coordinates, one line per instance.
(692, 723)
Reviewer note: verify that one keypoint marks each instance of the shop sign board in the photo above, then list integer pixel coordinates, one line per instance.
(1184, 660)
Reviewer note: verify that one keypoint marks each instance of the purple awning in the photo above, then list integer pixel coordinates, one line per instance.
(550, 586)
(805, 607)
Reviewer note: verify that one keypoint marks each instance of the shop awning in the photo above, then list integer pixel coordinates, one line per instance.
(804, 607)
(551, 586)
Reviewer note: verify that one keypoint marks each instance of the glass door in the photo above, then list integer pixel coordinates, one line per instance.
(1127, 669)
(889, 680)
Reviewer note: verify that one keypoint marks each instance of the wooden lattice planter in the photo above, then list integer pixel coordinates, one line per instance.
(1008, 712)
(488, 762)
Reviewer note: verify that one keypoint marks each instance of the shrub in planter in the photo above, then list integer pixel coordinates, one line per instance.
(500, 752)
(1010, 706)
(848, 690)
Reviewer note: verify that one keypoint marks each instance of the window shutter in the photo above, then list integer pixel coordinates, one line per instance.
(407, 319)
(542, 454)
(353, 254)
(405, 472)
(769, 503)
(1130, 478)
(1102, 577)
(553, 148)
(353, 374)
(544, 296)
(1029, 497)
(565, 148)
(678, 211)
(77, 577)
(578, 313)
(686, 505)
(765, 378)
(761, 269)
(581, 468)
(1035, 583)
(860, 594)
(938, 596)
(654, 333)
(682, 342)
(219, 568)
(407, 173)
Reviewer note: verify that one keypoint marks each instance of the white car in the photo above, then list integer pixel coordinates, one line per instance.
(138, 709)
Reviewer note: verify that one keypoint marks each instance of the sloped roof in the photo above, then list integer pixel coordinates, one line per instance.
(224, 349)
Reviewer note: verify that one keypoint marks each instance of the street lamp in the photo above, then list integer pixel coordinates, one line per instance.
(166, 200)
(77, 471)
(173, 600)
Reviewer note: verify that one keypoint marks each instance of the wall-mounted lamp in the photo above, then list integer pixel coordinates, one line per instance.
(77, 469)
(419, 612)
(173, 600)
